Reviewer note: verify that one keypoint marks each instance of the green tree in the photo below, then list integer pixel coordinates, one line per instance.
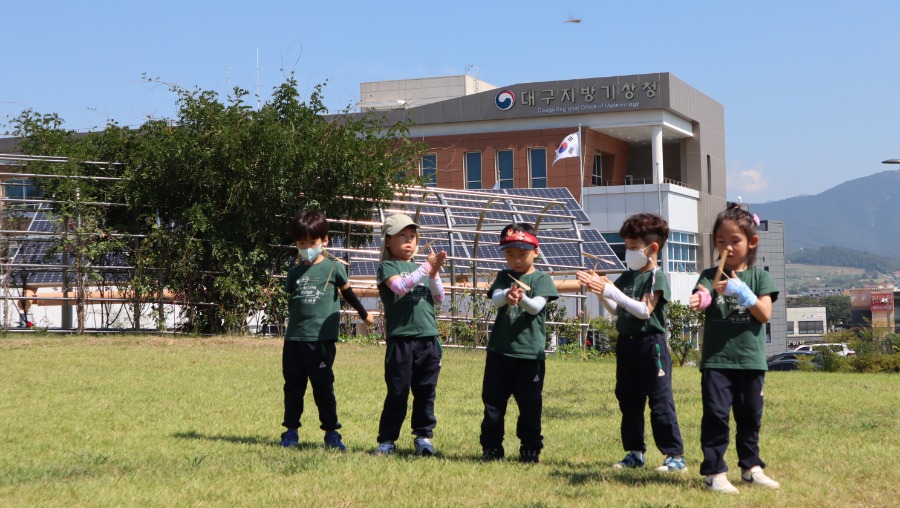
(682, 324)
(214, 188)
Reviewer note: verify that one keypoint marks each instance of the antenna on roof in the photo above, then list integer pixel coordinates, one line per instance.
(470, 66)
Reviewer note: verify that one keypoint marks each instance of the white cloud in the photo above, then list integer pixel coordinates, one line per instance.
(750, 181)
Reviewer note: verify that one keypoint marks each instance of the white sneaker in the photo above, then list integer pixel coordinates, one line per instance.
(755, 476)
(719, 483)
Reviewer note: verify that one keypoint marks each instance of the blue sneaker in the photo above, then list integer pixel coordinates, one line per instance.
(290, 438)
(384, 449)
(673, 464)
(631, 461)
(424, 448)
(333, 440)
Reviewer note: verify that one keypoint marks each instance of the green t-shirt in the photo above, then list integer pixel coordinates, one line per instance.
(314, 302)
(410, 315)
(635, 285)
(732, 337)
(517, 333)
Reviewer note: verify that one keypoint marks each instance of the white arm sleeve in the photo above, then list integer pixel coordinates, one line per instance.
(638, 309)
(499, 297)
(533, 305)
(610, 305)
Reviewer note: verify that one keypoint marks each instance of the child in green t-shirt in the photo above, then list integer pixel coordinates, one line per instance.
(312, 328)
(733, 363)
(515, 352)
(643, 363)
(413, 358)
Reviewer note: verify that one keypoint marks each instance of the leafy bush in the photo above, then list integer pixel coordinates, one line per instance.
(875, 363)
(829, 361)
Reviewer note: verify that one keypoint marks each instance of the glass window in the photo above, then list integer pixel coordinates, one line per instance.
(505, 169)
(429, 169)
(790, 328)
(21, 189)
(616, 243)
(682, 251)
(537, 158)
(597, 175)
(811, 327)
(473, 170)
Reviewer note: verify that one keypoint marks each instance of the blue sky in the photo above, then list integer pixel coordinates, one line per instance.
(810, 89)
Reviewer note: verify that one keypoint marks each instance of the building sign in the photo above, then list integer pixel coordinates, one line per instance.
(625, 95)
(505, 100)
(882, 302)
(567, 97)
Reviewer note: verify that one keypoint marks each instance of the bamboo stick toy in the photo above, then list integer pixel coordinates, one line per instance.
(598, 258)
(721, 271)
(428, 246)
(521, 284)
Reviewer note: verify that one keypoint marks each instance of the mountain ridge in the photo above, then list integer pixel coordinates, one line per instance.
(862, 214)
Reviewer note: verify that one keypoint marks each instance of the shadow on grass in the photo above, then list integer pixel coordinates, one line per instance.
(251, 440)
(581, 474)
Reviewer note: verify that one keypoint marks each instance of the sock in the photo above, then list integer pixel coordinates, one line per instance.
(638, 454)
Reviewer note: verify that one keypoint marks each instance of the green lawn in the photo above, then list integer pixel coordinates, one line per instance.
(162, 422)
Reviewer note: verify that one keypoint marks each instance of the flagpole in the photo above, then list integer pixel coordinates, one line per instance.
(581, 168)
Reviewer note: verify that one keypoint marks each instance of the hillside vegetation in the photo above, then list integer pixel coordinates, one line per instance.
(859, 214)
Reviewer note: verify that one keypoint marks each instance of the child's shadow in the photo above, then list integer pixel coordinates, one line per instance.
(251, 440)
(580, 474)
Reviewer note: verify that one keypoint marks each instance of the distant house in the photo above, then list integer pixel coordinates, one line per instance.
(806, 325)
(823, 290)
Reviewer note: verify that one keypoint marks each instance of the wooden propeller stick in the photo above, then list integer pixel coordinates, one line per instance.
(521, 284)
(721, 271)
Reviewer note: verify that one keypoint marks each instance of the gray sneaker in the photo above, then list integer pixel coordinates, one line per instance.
(424, 447)
(384, 449)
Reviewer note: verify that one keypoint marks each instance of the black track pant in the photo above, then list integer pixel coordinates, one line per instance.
(522, 379)
(644, 373)
(410, 364)
(725, 390)
(313, 361)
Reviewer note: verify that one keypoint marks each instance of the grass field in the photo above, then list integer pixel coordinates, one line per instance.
(187, 422)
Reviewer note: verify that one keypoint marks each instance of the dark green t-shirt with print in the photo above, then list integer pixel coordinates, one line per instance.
(732, 337)
(635, 285)
(517, 333)
(410, 315)
(314, 302)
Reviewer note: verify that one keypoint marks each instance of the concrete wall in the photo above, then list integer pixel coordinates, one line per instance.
(770, 256)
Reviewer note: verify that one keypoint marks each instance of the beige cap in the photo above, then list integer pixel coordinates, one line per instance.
(393, 225)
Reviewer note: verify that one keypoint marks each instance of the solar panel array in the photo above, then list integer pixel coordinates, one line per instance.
(39, 250)
(463, 216)
(472, 216)
(466, 209)
(559, 251)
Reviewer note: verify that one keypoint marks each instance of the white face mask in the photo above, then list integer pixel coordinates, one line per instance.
(311, 253)
(635, 259)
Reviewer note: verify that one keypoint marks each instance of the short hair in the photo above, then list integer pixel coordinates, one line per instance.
(309, 224)
(744, 220)
(649, 227)
(518, 226)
